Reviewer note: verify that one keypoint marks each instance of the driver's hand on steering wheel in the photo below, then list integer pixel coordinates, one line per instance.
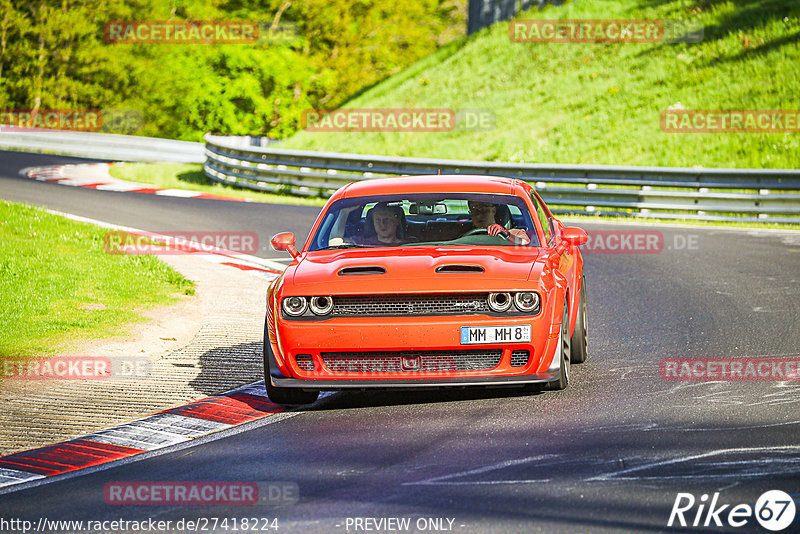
(495, 229)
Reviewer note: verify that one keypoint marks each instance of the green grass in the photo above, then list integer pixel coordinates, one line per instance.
(190, 176)
(58, 286)
(601, 103)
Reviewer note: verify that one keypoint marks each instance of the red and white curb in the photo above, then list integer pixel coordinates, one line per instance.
(164, 429)
(167, 428)
(95, 176)
(266, 269)
(262, 268)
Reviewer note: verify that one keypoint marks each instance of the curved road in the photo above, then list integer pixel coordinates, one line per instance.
(610, 453)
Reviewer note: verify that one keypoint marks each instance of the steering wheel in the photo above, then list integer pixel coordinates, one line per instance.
(483, 231)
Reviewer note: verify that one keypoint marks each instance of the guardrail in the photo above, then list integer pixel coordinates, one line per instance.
(483, 13)
(658, 192)
(101, 145)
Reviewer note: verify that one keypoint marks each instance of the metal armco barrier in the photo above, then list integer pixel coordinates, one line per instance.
(483, 13)
(100, 145)
(761, 195)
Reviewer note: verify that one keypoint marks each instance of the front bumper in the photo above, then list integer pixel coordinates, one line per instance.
(293, 338)
(422, 383)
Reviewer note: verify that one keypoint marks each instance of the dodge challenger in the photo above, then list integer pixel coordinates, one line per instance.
(427, 281)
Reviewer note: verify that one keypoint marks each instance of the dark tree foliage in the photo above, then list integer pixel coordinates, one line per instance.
(309, 54)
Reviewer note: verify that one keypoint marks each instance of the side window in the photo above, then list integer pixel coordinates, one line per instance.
(544, 220)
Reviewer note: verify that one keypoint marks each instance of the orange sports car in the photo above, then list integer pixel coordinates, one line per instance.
(427, 281)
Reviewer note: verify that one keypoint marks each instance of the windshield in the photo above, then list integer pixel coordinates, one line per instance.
(426, 219)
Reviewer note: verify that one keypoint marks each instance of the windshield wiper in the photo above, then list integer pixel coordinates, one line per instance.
(345, 245)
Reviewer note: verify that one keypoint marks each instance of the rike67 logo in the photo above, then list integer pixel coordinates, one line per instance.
(774, 510)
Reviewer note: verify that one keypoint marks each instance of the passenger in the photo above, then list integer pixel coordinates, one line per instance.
(385, 225)
(483, 216)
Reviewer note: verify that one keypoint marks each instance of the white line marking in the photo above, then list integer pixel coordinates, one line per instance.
(212, 254)
(77, 182)
(156, 431)
(493, 467)
(257, 388)
(12, 476)
(737, 427)
(137, 437)
(737, 468)
(182, 424)
(25, 480)
(480, 482)
(120, 187)
(616, 475)
(178, 193)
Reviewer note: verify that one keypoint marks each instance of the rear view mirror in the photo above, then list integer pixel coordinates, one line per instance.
(427, 208)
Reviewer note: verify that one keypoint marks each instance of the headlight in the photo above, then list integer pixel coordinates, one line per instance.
(526, 301)
(321, 305)
(295, 306)
(499, 302)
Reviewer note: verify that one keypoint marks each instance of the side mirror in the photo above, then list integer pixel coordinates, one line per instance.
(575, 236)
(285, 241)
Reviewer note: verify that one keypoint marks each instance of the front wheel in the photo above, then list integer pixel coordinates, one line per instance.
(280, 395)
(564, 354)
(579, 336)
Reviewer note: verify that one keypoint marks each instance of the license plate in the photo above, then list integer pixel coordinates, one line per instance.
(472, 335)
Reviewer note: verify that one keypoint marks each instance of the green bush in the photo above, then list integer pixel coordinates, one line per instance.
(310, 54)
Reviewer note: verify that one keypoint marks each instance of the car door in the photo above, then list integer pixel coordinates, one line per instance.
(563, 258)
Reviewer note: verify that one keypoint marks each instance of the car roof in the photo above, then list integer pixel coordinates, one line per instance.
(447, 183)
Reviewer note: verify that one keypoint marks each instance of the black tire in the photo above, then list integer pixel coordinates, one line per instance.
(280, 395)
(563, 375)
(579, 341)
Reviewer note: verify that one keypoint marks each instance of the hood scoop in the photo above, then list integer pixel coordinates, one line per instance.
(366, 269)
(459, 269)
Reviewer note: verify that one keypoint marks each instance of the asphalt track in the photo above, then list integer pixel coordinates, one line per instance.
(608, 454)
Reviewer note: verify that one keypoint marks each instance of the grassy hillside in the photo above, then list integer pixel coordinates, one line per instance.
(601, 103)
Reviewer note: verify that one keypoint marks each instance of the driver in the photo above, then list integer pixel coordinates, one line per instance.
(387, 223)
(483, 216)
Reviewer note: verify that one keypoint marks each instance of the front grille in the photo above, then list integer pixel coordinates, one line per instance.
(519, 358)
(421, 304)
(399, 361)
(304, 362)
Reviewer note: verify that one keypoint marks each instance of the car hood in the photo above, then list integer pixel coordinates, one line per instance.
(408, 270)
